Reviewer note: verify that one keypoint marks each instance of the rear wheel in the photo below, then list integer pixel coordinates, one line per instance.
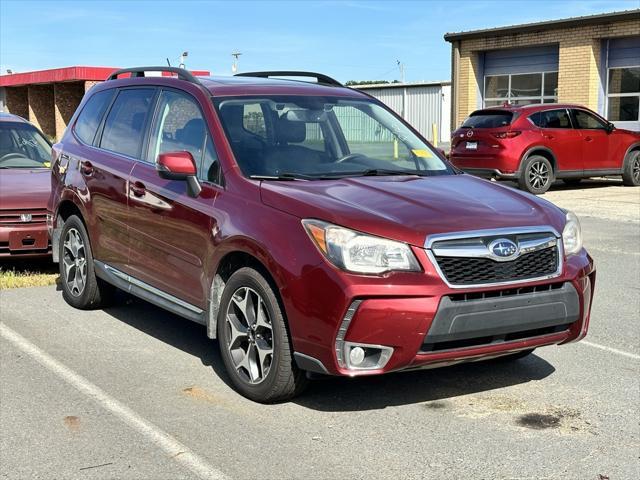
(80, 286)
(254, 341)
(631, 169)
(537, 175)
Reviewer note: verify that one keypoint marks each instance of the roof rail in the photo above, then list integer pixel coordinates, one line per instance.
(320, 78)
(182, 73)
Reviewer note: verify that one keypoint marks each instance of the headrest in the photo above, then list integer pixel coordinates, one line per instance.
(291, 131)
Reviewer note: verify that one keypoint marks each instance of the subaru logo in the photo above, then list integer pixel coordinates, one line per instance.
(503, 248)
(25, 217)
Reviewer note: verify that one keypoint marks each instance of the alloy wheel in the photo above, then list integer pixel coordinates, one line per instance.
(250, 335)
(75, 262)
(539, 175)
(635, 169)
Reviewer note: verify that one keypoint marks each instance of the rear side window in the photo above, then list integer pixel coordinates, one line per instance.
(124, 127)
(91, 116)
(488, 119)
(552, 119)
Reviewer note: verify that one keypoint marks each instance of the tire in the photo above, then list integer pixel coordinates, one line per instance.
(537, 175)
(572, 182)
(80, 286)
(514, 356)
(244, 333)
(631, 169)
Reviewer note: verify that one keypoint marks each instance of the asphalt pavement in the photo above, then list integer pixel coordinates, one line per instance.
(134, 392)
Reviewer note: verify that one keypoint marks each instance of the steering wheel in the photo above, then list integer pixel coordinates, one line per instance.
(351, 156)
(13, 156)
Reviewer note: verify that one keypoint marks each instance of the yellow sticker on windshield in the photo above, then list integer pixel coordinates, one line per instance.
(422, 153)
(47, 164)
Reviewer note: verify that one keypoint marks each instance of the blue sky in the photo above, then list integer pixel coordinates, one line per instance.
(345, 39)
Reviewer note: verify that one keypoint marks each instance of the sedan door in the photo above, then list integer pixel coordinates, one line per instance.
(596, 155)
(170, 231)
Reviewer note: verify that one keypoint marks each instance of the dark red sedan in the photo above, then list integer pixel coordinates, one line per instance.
(25, 183)
(536, 144)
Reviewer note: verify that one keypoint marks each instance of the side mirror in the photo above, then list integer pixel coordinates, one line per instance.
(610, 127)
(179, 166)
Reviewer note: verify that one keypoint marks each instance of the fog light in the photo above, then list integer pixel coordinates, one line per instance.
(356, 356)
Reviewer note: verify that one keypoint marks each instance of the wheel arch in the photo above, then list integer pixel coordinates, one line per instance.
(543, 151)
(68, 205)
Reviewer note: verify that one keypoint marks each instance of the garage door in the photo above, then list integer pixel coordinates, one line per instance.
(623, 82)
(521, 60)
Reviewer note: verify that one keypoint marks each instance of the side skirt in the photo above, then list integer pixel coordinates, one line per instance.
(149, 293)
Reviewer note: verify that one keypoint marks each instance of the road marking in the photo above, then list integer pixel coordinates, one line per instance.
(612, 350)
(172, 447)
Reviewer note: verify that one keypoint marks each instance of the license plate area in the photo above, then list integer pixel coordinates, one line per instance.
(472, 145)
(28, 240)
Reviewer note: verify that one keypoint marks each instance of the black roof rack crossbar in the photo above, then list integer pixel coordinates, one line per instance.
(139, 72)
(320, 78)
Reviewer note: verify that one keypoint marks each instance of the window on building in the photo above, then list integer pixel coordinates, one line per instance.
(623, 94)
(521, 88)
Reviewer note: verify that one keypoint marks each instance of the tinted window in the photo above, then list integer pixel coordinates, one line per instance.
(180, 127)
(124, 127)
(488, 119)
(91, 116)
(586, 120)
(552, 119)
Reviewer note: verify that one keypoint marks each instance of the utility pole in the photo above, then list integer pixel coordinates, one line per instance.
(234, 67)
(401, 67)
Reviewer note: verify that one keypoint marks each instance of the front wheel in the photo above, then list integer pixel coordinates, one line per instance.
(631, 169)
(80, 286)
(254, 341)
(537, 175)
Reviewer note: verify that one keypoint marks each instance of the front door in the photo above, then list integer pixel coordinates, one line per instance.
(595, 142)
(171, 232)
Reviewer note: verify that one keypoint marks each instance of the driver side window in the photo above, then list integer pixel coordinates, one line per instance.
(180, 127)
(586, 120)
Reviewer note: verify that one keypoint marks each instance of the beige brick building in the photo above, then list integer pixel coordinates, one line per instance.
(593, 61)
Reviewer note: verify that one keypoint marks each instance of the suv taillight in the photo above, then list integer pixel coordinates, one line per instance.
(503, 135)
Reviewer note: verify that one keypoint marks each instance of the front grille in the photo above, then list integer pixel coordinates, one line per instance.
(13, 217)
(474, 271)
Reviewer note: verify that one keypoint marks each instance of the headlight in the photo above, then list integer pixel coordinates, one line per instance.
(358, 252)
(572, 235)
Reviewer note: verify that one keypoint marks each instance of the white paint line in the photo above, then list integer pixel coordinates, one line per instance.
(172, 447)
(609, 349)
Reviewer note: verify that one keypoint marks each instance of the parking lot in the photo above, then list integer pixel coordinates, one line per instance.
(133, 391)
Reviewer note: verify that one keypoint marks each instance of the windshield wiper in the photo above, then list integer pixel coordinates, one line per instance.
(381, 172)
(284, 176)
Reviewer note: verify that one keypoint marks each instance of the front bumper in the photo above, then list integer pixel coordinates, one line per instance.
(24, 241)
(428, 324)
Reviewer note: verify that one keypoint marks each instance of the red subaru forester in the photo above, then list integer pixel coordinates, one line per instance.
(536, 144)
(308, 227)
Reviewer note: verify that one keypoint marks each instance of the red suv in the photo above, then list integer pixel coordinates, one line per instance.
(25, 182)
(536, 144)
(308, 228)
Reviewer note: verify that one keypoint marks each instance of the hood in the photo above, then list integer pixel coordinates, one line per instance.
(409, 208)
(24, 188)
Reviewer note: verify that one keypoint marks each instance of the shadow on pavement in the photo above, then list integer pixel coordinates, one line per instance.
(334, 394)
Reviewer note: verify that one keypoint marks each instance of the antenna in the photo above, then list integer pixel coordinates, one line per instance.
(234, 66)
(168, 62)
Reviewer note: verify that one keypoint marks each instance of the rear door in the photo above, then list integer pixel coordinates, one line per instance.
(561, 138)
(171, 232)
(595, 142)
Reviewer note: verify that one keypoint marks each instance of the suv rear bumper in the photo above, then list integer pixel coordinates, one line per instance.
(451, 326)
(490, 173)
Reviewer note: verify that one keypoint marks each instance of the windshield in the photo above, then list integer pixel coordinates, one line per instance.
(23, 146)
(322, 137)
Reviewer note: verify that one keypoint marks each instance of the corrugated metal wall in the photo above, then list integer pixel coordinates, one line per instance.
(420, 105)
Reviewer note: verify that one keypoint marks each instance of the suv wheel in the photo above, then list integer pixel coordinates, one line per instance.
(80, 286)
(631, 169)
(254, 341)
(537, 175)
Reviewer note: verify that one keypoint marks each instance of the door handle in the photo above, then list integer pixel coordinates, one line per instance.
(588, 139)
(549, 137)
(86, 168)
(138, 189)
